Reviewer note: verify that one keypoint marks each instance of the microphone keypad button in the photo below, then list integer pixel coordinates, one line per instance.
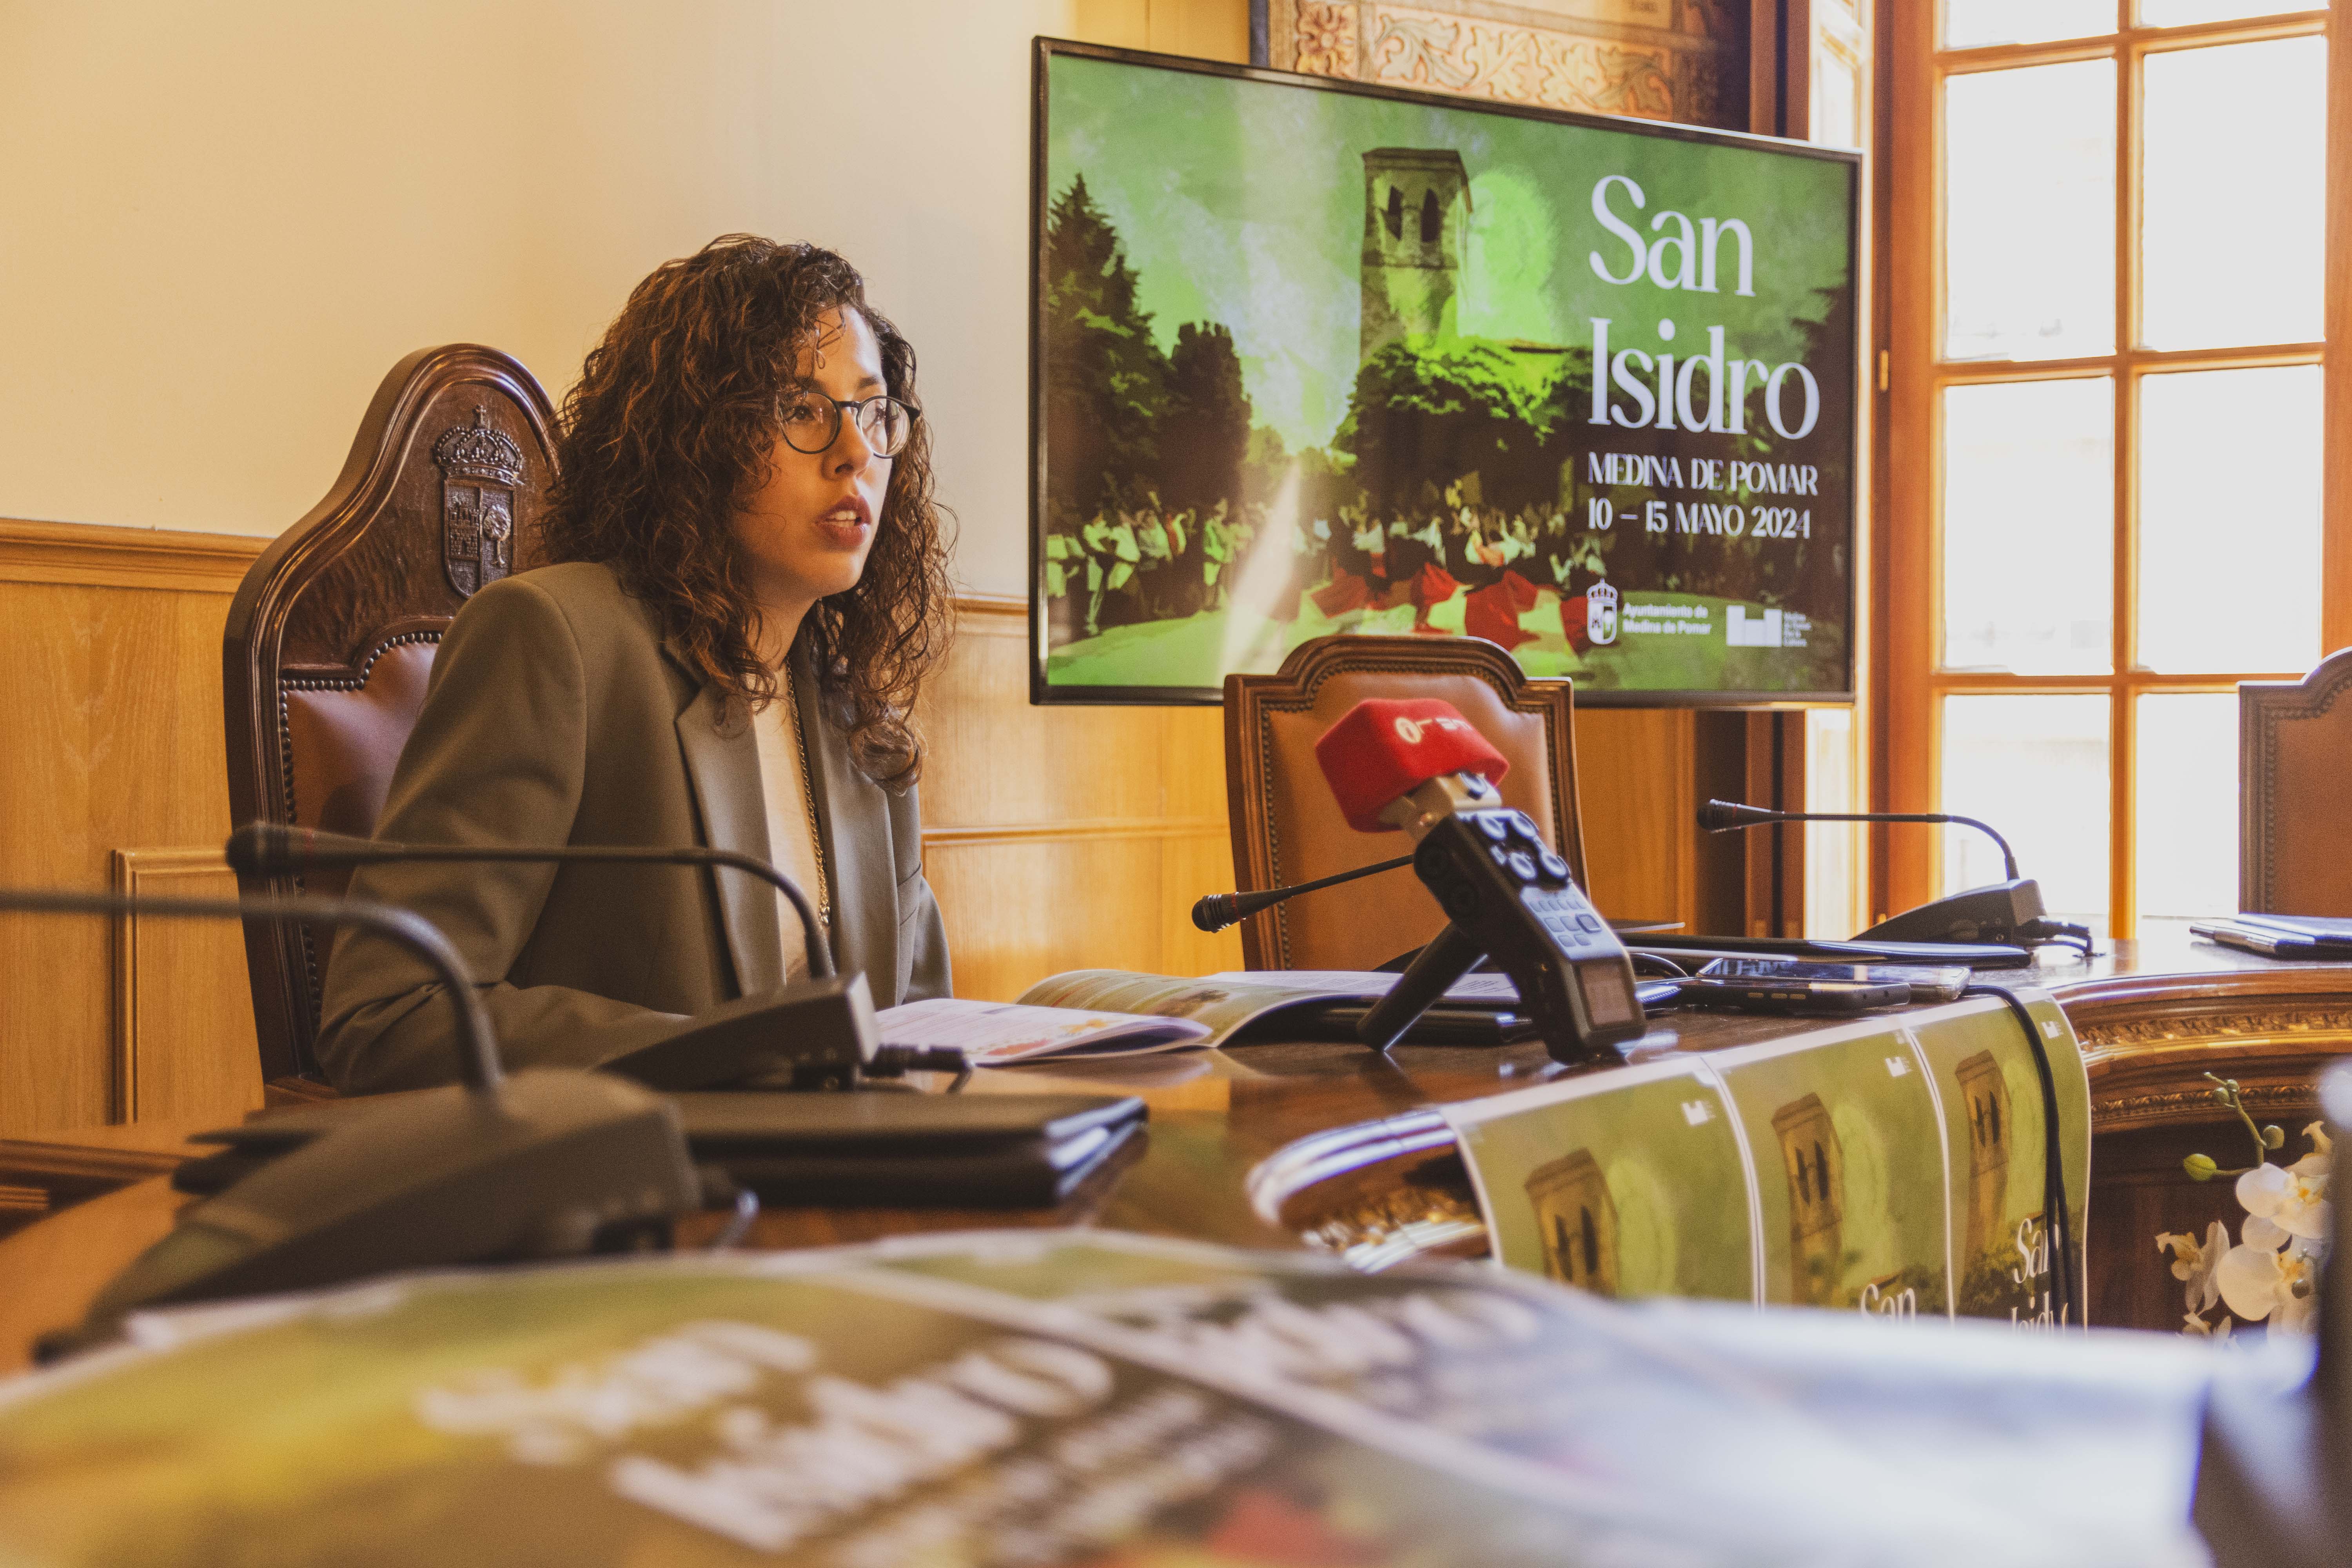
(1493, 825)
(1523, 866)
(1590, 922)
(1523, 827)
(1555, 870)
(1502, 857)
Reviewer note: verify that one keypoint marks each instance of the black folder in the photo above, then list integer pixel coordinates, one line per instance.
(875, 1149)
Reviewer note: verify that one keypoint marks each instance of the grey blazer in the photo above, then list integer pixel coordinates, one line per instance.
(556, 715)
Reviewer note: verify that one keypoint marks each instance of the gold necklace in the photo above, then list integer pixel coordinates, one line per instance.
(808, 803)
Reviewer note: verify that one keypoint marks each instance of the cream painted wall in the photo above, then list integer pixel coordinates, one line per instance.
(220, 225)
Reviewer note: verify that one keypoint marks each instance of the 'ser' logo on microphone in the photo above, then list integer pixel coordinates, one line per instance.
(1408, 732)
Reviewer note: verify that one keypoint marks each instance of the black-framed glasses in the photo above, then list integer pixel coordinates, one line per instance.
(812, 422)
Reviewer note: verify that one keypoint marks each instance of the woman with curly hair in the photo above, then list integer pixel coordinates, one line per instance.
(747, 590)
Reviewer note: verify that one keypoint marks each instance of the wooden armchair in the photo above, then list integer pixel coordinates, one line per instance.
(2294, 793)
(332, 636)
(1285, 829)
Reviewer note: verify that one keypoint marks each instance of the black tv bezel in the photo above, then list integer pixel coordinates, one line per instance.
(1043, 693)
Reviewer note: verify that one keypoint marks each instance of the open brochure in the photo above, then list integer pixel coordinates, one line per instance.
(1042, 1398)
(1220, 1007)
(997, 1033)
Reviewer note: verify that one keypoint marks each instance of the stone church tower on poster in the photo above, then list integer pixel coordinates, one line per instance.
(1416, 216)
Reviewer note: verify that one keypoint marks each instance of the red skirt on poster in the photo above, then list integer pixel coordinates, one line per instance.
(1345, 592)
(1493, 612)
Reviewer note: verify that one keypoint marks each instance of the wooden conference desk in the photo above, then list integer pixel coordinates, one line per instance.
(1363, 1170)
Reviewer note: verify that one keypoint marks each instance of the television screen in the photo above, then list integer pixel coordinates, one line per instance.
(1314, 357)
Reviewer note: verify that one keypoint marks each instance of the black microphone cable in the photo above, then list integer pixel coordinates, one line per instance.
(2066, 1281)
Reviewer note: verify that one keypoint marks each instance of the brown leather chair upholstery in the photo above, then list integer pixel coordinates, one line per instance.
(1287, 829)
(332, 636)
(2294, 793)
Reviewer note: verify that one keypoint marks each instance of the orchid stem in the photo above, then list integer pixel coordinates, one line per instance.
(2230, 1098)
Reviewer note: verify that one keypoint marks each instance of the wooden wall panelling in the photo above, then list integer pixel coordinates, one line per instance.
(1205, 30)
(110, 673)
(1066, 838)
(1635, 774)
(182, 1043)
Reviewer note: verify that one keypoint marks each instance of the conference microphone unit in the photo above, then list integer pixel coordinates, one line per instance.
(547, 1162)
(2008, 912)
(1216, 911)
(817, 1032)
(1420, 767)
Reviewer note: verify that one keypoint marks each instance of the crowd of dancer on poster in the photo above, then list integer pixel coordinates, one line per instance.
(1155, 562)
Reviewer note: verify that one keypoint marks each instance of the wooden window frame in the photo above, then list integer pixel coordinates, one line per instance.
(1906, 746)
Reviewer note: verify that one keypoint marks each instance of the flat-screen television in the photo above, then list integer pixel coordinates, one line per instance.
(1315, 357)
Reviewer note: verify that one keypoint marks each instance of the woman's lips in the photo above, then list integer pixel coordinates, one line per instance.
(848, 523)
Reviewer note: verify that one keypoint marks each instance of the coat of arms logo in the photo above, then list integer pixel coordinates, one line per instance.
(481, 479)
(1600, 612)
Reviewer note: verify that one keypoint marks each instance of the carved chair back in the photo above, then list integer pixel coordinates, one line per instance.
(1286, 828)
(332, 636)
(2294, 793)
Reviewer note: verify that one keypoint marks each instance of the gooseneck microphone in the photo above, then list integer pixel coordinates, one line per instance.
(1720, 816)
(2002, 913)
(477, 1054)
(817, 1033)
(552, 1162)
(275, 849)
(1216, 911)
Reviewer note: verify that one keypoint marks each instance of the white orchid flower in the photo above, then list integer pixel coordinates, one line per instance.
(2194, 1263)
(2258, 1279)
(2295, 1200)
(2218, 1332)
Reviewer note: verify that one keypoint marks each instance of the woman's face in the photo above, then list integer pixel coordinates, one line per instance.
(808, 529)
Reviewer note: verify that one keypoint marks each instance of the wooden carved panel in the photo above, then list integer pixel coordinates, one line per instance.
(1660, 60)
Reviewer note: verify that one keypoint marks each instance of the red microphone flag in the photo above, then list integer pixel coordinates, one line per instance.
(1380, 750)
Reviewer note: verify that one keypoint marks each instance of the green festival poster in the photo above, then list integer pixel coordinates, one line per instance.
(1025, 1400)
(1316, 360)
(1849, 1169)
(1990, 1087)
(706, 1413)
(1629, 1184)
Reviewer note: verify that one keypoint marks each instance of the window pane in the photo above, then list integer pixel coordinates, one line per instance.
(2030, 212)
(1835, 851)
(2035, 768)
(1837, 100)
(2029, 527)
(1970, 23)
(2234, 188)
(2186, 805)
(2229, 520)
(2180, 12)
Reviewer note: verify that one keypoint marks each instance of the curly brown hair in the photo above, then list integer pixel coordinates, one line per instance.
(673, 420)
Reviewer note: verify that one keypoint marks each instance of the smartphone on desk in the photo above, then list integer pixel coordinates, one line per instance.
(1790, 995)
(1928, 983)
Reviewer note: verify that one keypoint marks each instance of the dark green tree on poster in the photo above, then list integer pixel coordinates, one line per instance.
(1106, 377)
(1424, 413)
(1206, 434)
